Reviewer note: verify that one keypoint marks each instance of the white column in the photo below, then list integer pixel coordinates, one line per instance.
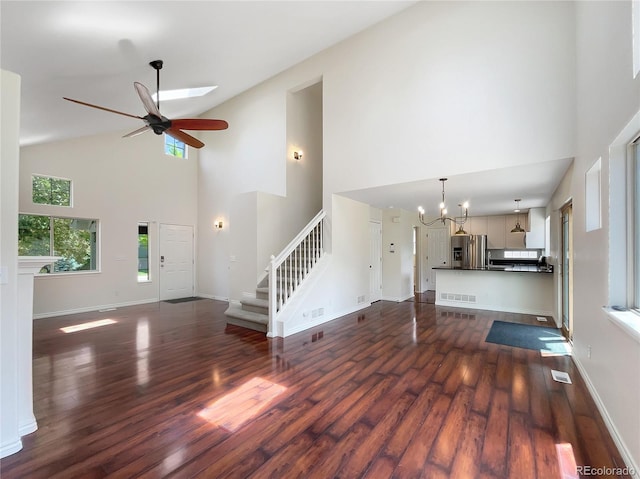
(28, 266)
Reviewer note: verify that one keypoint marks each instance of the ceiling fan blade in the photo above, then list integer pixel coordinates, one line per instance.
(184, 137)
(199, 124)
(137, 132)
(147, 101)
(102, 108)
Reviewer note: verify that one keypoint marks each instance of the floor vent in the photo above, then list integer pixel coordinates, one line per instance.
(459, 298)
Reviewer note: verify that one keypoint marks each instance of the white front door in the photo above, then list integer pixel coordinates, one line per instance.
(176, 262)
(438, 252)
(375, 261)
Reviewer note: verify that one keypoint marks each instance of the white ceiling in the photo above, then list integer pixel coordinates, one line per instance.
(93, 51)
(488, 192)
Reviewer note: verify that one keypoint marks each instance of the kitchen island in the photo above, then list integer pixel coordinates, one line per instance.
(515, 289)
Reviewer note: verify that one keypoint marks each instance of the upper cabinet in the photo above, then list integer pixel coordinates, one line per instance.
(498, 229)
(496, 232)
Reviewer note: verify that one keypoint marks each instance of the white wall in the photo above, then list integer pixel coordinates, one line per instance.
(255, 155)
(442, 88)
(120, 182)
(445, 88)
(607, 99)
(9, 153)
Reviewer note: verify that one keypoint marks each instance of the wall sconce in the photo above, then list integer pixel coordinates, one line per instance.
(297, 155)
(217, 224)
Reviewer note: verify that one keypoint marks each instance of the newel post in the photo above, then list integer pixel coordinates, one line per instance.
(273, 289)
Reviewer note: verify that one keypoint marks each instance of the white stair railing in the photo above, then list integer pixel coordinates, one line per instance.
(289, 269)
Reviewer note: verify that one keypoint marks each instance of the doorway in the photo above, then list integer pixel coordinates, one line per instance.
(176, 262)
(375, 261)
(438, 252)
(566, 270)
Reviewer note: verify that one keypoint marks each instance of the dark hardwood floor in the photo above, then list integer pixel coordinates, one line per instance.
(396, 390)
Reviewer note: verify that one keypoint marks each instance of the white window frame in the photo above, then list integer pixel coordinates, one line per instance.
(186, 147)
(624, 230)
(95, 251)
(49, 177)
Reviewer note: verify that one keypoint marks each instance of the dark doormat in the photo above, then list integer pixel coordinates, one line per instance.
(182, 300)
(547, 340)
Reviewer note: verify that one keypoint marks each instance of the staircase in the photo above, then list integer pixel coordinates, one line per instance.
(252, 313)
(285, 274)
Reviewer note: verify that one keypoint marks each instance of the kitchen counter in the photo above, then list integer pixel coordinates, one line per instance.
(525, 290)
(506, 268)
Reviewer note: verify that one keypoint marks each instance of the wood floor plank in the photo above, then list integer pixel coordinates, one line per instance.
(400, 390)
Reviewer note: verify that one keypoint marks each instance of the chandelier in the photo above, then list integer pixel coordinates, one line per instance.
(443, 214)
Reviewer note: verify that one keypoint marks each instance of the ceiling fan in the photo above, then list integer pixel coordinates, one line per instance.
(161, 124)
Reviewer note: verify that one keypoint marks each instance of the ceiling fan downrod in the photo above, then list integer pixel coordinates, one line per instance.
(157, 65)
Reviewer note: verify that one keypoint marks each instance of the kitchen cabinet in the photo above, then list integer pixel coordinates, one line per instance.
(479, 225)
(495, 232)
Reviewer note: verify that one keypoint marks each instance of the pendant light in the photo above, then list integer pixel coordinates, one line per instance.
(517, 228)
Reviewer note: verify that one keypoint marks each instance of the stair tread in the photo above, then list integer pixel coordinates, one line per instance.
(264, 303)
(236, 312)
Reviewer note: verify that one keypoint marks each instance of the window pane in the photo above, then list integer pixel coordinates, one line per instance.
(143, 251)
(174, 147)
(34, 238)
(75, 240)
(51, 191)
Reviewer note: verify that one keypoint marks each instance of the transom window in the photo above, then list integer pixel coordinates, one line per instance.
(174, 147)
(47, 190)
(74, 239)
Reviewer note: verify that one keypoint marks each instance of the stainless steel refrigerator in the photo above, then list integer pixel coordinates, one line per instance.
(469, 251)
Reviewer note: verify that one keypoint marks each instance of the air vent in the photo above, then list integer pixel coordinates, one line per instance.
(458, 298)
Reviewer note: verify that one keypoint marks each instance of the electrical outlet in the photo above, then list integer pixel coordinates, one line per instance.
(589, 351)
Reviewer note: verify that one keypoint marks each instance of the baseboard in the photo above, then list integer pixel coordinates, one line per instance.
(10, 448)
(325, 319)
(213, 296)
(28, 428)
(398, 299)
(622, 447)
(88, 309)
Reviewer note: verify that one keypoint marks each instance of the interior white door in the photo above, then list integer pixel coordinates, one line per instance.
(438, 252)
(176, 262)
(375, 261)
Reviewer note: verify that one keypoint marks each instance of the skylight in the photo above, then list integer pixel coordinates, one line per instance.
(183, 93)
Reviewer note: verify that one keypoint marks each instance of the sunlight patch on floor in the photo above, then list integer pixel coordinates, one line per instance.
(91, 324)
(237, 407)
(567, 461)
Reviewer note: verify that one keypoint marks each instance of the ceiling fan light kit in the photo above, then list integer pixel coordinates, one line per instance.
(160, 124)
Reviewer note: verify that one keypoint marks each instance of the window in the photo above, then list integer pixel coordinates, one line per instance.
(624, 229)
(143, 252)
(174, 147)
(47, 190)
(75, 239)
(635, 206)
